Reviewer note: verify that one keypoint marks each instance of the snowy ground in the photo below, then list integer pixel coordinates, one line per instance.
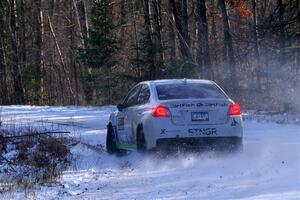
(269, 167)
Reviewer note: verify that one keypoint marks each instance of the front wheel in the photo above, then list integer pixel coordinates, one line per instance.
(111, 147)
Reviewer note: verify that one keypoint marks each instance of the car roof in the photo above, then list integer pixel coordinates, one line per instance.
(170, 81)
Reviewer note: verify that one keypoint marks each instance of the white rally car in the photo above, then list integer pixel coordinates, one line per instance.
(187, 112)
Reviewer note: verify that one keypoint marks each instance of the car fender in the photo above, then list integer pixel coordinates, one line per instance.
(145, 123)
(113, 118)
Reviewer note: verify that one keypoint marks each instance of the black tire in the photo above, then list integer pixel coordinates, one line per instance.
(140, 140)
(111, 147)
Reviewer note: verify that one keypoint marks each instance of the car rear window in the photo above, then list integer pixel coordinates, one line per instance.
(189, 91)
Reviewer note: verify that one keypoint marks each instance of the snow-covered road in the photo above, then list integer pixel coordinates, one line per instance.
(269, 167)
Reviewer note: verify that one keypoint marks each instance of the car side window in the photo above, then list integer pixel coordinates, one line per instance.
(131, 98)
(144, 95)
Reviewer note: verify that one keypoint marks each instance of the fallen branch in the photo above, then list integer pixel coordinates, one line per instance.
(9, 163)
(36, 134)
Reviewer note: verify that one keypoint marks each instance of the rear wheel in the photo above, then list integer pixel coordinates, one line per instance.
(140, 140)
(111, 147)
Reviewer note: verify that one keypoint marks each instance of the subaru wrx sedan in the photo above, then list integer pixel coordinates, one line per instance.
(188, 112)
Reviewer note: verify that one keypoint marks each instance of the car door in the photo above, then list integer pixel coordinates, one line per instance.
(124, 117)
(138, 110)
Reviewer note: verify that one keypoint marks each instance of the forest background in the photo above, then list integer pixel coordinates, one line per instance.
(84, 52)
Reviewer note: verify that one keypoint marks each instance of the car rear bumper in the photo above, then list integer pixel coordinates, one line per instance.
(200, 142)
(162, 130)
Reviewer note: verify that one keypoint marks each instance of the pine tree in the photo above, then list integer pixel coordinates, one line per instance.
(100, 51)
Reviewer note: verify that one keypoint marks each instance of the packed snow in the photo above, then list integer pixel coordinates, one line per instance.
(268, 168)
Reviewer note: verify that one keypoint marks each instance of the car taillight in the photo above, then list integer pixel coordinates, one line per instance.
(160, 111)
(234, 109)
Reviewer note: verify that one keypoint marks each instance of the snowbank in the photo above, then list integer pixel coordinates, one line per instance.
(269, 167)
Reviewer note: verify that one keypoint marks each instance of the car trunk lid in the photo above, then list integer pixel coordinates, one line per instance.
(198, 111)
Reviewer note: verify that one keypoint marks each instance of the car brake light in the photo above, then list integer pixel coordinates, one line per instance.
(234, 109)
(161, 111)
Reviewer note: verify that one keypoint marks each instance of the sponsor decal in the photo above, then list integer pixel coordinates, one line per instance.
(189, 105)
(215, 104)
(202, 131)
(121, 122)
(186, 105)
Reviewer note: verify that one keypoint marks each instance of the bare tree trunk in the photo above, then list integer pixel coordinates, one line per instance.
(61, 59)
(185, 24)
(3, 91)
(172, 36)
(108, 74)
(183, 37)
(3, 82)
(80, 12)
(123, 19)
(281, 73)
(298, 54)
(18, 89)
(258, 64)
(157, 28)
(136, 41)
(255, 34)
(73, 66)
(22, 39)
(281, 33)
(53, 72)
(203, 55)
(298, 14)
(214, 43)
(147, 25)
(38, 50)
(228, 44)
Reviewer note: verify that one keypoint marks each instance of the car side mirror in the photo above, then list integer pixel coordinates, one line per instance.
(120, 107)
